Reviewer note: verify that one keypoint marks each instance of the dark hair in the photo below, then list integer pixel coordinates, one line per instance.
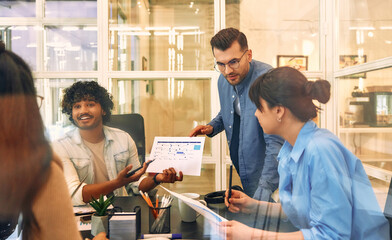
(15, 74)
(92, 91)
(25, 152)
(288, 87)
(226, 37)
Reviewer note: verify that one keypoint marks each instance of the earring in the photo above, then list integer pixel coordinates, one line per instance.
(279, 120)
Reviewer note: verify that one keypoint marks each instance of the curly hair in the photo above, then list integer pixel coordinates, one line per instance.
(90, 90)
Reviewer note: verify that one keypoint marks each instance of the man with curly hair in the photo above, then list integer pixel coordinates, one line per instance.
(100, 155)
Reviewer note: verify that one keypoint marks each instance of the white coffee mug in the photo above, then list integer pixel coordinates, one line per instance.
(187, 213)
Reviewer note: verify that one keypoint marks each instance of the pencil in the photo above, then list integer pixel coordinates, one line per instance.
(154, 211)
(145, 199)
(148, 203)
(156, 202)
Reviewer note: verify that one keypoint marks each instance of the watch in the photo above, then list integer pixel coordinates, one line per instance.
(155, 179)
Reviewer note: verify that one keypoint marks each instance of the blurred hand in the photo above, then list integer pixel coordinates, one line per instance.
(122, 176)
(100, 236)
(169, 176)
(240, 202)
(201, 130)
(235, 230)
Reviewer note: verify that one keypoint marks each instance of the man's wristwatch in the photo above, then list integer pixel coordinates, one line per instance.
(155, 179)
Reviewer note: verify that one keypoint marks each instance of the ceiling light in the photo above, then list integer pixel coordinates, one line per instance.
(69, 29)
(361, 28)
(90, 28)
(186, 28)
(157, 28)
(192, 33)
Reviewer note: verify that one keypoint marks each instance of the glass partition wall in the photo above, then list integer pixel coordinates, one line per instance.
(160, 35)
(363, 72)
(155, 58)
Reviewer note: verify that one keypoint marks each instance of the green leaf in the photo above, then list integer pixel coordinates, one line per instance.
(95, 206)
(100, 205)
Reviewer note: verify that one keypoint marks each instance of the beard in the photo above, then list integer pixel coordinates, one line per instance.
(93, 125)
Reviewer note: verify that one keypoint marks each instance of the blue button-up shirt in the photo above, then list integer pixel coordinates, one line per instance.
(324, 190)
(257, 151)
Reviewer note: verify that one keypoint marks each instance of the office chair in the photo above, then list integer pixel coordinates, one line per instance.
(133, 124)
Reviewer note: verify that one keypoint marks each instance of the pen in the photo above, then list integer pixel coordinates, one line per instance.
(230, 181)
(167, 235)
(137, 169)
(77, 188)
(149, 203)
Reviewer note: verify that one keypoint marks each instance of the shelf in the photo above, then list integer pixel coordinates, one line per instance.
(365, 130)
(379, 167)
(382, 174)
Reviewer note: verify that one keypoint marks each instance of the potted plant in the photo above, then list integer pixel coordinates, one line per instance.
(99, 220)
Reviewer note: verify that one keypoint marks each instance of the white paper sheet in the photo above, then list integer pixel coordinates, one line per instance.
(198, 207)
(182, 153)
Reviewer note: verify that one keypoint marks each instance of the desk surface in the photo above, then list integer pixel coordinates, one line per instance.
(196, 230)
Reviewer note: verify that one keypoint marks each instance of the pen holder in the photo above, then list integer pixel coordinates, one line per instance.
(159, 219)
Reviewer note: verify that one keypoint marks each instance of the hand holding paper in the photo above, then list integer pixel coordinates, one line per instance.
(181, 153)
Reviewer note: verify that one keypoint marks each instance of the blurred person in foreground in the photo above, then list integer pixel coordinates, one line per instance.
(323, 188)
(32, 182)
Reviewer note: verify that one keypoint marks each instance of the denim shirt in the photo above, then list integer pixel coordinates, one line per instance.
(257, 151)
(324, 189)
(119, 151)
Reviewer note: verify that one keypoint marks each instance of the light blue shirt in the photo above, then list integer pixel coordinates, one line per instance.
(119, 151)
(324, 190)
(257, 152)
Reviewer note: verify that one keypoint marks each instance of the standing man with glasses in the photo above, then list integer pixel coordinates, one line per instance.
(252, 152)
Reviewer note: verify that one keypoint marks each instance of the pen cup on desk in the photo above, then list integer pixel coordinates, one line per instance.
(159, 219)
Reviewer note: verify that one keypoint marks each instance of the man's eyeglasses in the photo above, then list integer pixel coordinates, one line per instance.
(39, 100)
(233, 64)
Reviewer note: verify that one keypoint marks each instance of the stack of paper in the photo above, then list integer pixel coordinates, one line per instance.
(123, 226)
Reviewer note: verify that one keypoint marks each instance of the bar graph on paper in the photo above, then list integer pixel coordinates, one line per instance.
(182, 153)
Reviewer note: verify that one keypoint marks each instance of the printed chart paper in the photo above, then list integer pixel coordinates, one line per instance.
(182, 153)
(198, 207)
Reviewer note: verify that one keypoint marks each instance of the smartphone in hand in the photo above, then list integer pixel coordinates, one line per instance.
(137, 169)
